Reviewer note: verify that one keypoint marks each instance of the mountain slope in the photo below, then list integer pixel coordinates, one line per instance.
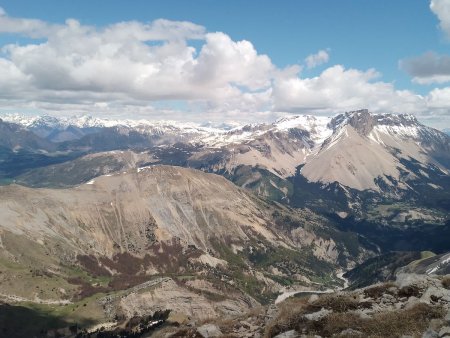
(368, 152)
(123, 230)
(15, 137)
(130, 238)
(134, 200)
(21, 150)
(431, 265)
(83, 169)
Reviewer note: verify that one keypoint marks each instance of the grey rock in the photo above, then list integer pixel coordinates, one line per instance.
(288, 334)
(364, 313)
(209, 330)
(317, 315)
(406, 279)
(249, 326)
(447, 317)
(350, 333)
(313, 298)
(433, 294)
(412, 301)
(430, 334)
(444, 332)
(436, 324)
(388, 299)
(392, 290)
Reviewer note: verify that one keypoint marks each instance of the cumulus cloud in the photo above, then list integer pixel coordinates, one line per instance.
(442, 10)
(340, 89)
(431, 67)
(314, 60)
(28, 27)
(145, 69)
(223, 61)
(131, 60)
(428, 68)
(439, 98)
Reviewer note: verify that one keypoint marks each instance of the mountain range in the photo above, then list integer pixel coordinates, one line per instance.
(106, 220)
(389, 155)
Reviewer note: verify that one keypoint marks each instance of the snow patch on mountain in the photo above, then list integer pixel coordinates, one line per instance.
(317, 126)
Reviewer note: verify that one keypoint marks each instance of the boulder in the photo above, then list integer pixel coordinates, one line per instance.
(209, 330)
(288, 334)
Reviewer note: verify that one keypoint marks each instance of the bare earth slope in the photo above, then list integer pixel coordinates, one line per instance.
(117, 210)
(366, 148)
(170, 230)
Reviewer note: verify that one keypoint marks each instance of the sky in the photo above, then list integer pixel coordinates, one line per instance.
(244, 61)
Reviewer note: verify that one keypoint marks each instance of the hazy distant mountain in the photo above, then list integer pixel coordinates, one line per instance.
(21, 150)
(15, 137)
(60, 129)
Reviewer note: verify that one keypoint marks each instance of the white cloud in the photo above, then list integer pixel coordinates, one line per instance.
(340, 89)
(223, 61)
(314, 60)
(131, 60)
(137, 69)
(29, 27)
(442, 10)
(428, 68)
(431, 67)
(439, 98)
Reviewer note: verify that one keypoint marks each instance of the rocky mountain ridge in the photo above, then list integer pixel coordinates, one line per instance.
(353, 155)
(318, 128)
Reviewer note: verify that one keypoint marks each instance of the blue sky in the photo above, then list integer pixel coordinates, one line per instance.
(379, 46)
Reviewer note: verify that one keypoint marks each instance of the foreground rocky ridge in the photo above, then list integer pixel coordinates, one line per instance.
(411, 306)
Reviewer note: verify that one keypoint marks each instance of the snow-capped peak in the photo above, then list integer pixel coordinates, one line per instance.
(319, 128)
(316, 126)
